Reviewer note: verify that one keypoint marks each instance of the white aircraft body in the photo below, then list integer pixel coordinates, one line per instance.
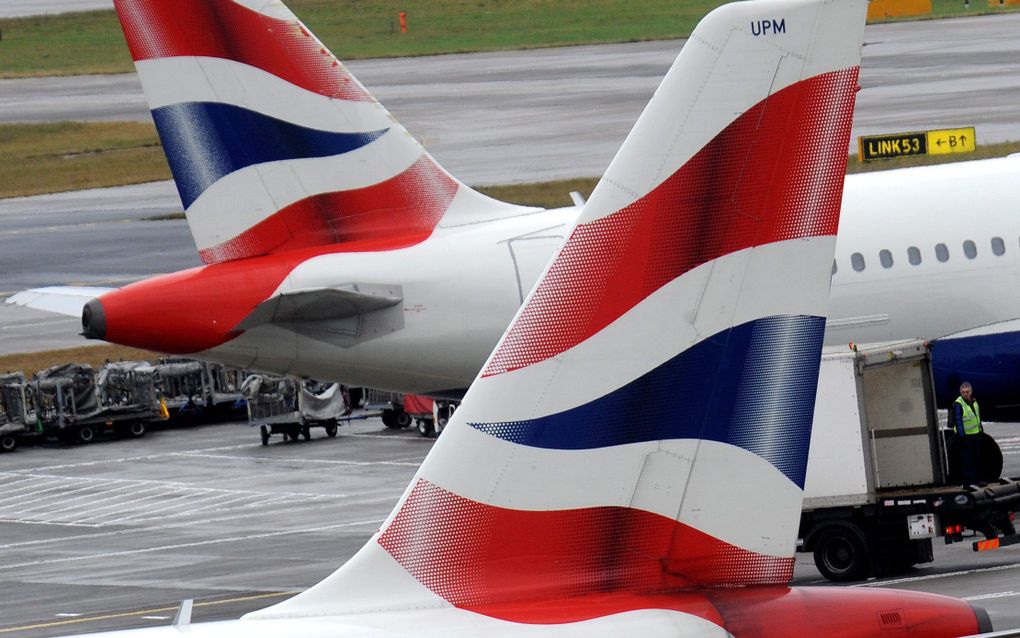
(577, 492)
(338, 249)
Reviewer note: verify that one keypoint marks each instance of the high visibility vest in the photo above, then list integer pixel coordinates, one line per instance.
(971, 416)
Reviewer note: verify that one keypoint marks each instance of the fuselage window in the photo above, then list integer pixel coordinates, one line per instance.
(969, 249)
(885, 257)
(941, 252)
(914, 255)
(857, 261)
(998, 246)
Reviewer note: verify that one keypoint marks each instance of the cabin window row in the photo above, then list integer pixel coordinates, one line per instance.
(885, 257)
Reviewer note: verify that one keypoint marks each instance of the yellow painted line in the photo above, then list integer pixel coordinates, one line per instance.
(128, 614)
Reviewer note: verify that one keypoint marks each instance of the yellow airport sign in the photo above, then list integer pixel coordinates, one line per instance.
(875, 147)
(940, 142)
(953, 140)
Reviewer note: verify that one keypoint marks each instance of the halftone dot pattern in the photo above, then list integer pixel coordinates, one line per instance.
(471, 553)
(775, 173)
(396, 213)
(225, 29)
(722, 389)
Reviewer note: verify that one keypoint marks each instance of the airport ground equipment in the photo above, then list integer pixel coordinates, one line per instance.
(430, 415)
(390, 406)
(200, 390)
(880, 482)
(74, 403)
(12, 411)
(291, 407)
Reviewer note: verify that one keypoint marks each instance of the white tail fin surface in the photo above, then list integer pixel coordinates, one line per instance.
(643, 425)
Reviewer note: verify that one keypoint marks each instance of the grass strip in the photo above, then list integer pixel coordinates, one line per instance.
(49, 158)
(96, 356)
(91, 42)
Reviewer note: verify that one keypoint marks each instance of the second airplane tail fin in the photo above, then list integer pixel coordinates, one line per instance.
(273, 144)
(643, 425)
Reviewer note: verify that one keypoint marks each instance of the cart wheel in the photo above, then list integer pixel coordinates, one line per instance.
(403, 419)
(264, 431)
(86, 434)
(295, 433)
(425, 428)
(306, 433)
(137, 429)
(8, 443)
(840, 555)
(389, 419)
(331, 429)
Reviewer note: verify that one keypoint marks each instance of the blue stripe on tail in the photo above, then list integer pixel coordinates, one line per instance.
(206, 140)
(722, 389)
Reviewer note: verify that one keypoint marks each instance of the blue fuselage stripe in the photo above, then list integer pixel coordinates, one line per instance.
(752, 386)
(206, 140)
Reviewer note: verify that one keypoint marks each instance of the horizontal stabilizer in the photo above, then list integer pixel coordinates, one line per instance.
(63, 300)
(322, 304)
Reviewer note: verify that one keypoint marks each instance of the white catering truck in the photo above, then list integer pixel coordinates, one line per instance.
(881, 480)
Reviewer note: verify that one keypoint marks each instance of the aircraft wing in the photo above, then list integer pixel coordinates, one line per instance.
(321, 304)
(64, 300)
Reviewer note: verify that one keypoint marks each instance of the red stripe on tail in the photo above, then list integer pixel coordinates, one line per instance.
(399, 212)
(225, 29)
(470, 553)
(773, 174)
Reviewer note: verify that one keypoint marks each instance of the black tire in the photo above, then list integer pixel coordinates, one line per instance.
(306, 433)
(8, 443)
(136, 430)
(389, 419)
(264, 432)
(331, 429)
(841, 555)
(426, 428)
(295, 433)
(403, 419)
(86, 434)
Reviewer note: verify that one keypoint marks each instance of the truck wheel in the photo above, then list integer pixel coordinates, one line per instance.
(306, 433)
(264, 431)
(426, 428)
(841, 556)
(137, 429)
(86, 434)
(331, 429)
(403, 419)
(8, 443)
(389, 419)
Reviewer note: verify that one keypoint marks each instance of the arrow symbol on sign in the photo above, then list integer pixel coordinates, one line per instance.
(939, 143)
(963, 139)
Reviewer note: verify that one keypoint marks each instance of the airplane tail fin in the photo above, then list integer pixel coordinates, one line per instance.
(273, 144)
(643, 425)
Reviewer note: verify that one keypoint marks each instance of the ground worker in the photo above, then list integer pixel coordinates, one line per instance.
(967, 418)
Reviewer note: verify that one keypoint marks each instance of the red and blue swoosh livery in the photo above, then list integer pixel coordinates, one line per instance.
(630, 460)
(635, 446)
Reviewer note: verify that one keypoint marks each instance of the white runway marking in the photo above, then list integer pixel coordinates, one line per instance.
(214, 541)
(101, 502)
(914, 579)
(308, 461)
(1009, 445)
(1001, 594)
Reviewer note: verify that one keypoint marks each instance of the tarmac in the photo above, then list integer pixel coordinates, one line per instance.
(114, 534)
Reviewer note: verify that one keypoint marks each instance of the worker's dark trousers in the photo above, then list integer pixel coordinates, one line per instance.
(970, 458)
